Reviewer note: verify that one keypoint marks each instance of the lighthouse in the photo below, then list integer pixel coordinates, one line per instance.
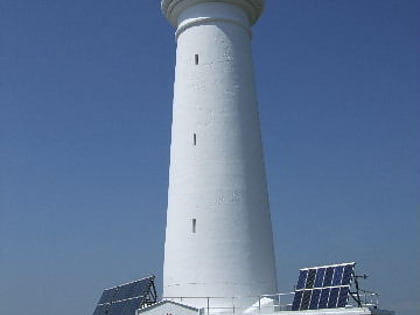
(219, 256)
(219, 240)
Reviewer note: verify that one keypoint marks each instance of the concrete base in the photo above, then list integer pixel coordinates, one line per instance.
(337, 311)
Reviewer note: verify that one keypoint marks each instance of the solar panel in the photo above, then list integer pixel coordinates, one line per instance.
(107, 295)
(319, 277)
(338, 275)
(127, 291)
(302, 279)
(311, 278)
(316, 294)
(305, 299)
(328, 276)
(348, 271)
(125, 299)
(323, 287)
(116, 308)
(131, 307)
(332, 301)
(296, 301)
(323, 301)
(343, 297)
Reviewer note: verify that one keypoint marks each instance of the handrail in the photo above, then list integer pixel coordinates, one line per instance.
(368, 299)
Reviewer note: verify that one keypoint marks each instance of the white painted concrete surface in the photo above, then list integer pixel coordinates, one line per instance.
(173, 308)
(219, 239)
(336, 311)
(169, 307)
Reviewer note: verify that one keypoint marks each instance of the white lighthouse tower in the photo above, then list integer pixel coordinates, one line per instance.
(219, 240)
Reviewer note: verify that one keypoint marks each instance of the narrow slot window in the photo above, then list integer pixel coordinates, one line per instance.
(196, 59)
(194, 225)
(195, 139)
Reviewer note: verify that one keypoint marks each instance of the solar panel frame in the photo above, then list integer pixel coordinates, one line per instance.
(144, 286)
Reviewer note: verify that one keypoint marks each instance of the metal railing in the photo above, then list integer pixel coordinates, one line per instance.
(267, 303)
(208, 304)
(217, 304)
(368, 298)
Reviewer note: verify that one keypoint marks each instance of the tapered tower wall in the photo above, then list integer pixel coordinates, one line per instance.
(219, 237)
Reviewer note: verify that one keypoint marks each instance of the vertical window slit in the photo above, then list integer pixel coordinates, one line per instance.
(194, 139)
(194, 225)
(196, 59)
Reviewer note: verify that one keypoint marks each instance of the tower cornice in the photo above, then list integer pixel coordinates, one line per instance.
(173, 8)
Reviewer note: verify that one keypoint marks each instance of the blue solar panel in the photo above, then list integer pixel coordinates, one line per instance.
(107, 295)
(127, 298)
(132, 306)
(302, 279)
(323, 287)
(316, 294)
(143, 286)
(323, 301)
(311, 278)
(343, 297)
(306, 299)
(133, 289)
(348, 270)
(123, 292)
(338, 275)
(328, 276)
(332, 301)
(297, 300)
(319, 277)
(117, 308)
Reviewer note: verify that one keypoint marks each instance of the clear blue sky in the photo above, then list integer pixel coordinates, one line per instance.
(85, 114)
